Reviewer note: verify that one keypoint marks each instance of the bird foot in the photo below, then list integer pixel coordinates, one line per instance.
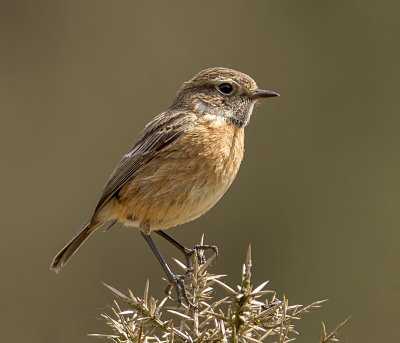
(178, 282)
(201, 259)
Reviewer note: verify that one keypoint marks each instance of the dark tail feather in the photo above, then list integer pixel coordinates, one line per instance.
(73, 245)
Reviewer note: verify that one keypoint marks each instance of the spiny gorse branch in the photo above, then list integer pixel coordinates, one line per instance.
(325, 338)
(244, 314)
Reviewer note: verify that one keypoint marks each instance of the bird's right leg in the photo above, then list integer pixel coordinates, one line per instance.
(188, 253)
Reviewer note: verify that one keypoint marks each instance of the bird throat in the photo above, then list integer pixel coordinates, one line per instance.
(203, 108)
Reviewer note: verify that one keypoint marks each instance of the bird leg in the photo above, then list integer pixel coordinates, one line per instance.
(188, 253)
(176, 281)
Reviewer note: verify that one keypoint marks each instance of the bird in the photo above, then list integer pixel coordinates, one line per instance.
(180, 165)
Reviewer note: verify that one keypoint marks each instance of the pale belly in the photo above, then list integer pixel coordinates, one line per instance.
(185, 180)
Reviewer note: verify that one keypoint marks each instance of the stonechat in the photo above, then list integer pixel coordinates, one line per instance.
(180, 165)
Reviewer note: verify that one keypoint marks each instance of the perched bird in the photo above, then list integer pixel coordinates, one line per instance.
(180, 165)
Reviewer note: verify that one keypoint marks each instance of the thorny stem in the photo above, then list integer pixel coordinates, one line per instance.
(247, 314)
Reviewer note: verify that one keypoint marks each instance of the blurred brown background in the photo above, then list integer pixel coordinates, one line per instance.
(318, 193)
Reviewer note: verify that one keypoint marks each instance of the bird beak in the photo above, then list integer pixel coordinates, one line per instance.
(260, 93)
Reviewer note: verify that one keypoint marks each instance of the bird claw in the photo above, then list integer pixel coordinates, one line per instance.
(201, 259)
(177, 282)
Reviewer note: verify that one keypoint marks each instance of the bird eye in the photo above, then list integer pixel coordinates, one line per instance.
(225, 88)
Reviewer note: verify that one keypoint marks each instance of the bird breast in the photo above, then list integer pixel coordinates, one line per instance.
(186, 179)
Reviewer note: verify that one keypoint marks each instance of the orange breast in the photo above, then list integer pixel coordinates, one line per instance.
(186, 179)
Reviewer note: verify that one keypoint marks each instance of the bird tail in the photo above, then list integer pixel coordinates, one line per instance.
(73, 245)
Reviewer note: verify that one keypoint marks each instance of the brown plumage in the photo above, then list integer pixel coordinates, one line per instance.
(183, 183)
(182, 162)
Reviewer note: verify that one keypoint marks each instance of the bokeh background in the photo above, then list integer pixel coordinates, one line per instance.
(318, 193)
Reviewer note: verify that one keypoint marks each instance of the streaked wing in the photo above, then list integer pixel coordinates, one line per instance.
(159, 133)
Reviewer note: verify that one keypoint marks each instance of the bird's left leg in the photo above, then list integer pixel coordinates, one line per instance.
(188, 253)
(176, 281)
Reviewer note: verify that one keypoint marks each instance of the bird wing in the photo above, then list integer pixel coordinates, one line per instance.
(159, 133)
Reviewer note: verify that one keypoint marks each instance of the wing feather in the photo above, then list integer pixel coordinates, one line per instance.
(159, 133)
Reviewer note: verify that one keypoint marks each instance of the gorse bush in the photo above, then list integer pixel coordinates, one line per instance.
(243, 314)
